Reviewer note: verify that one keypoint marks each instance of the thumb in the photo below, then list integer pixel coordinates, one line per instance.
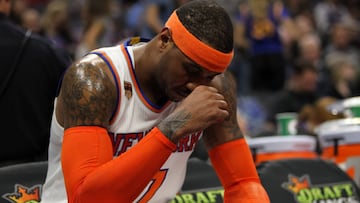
(191, 86)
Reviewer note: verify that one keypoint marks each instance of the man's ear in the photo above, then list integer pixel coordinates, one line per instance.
(165, 37)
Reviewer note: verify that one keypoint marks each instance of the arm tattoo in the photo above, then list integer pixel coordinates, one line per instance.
(171, 124)
(229, 129)
(228, 89)
(89, 95)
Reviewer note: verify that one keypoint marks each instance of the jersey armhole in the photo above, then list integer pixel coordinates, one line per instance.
(111, 66)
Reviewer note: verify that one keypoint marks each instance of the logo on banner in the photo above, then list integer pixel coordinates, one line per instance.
(305, 192)
(24, 194)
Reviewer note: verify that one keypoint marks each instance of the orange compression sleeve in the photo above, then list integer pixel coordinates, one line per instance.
(92, 175)
(235, 167)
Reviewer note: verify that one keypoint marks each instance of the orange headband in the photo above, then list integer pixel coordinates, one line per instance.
(201, 53)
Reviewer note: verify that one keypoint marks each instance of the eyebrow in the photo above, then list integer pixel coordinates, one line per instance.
(200, 69)
(194, 65)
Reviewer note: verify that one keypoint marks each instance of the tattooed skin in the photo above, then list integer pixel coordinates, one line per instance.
(88, 94)
(172, 123)
(229, 129)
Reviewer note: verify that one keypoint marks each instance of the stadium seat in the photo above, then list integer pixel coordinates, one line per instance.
(200, 174)
(201, 184)
(22, 182)
(307, 180)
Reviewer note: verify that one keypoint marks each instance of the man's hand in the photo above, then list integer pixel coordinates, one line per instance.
(203, 107)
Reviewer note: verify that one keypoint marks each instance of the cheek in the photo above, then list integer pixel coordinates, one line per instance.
(172, 73)
(175, 79)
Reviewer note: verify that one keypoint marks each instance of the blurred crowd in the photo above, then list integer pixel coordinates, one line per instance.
(290, 55)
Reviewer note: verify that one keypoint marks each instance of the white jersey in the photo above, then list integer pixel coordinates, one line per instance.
(134, 117)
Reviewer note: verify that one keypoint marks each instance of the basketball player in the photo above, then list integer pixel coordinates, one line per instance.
(128, 117)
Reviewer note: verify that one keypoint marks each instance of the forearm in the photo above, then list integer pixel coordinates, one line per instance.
(172, 126)
(217, 135)
(92, 175)
(230, 155)
(229, 160)
(229, 129)
(236, 170)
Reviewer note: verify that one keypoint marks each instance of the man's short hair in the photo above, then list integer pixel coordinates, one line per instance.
(209, 22)
(302, 65)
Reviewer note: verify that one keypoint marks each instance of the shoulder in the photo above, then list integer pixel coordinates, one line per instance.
(45, 49)
(91, 68)
(38, 49)
(15, 32)
(88, 93)
(225, 83)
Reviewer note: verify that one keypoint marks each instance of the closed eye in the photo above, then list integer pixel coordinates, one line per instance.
(192, 69)
(210, 78)
(195, 71)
